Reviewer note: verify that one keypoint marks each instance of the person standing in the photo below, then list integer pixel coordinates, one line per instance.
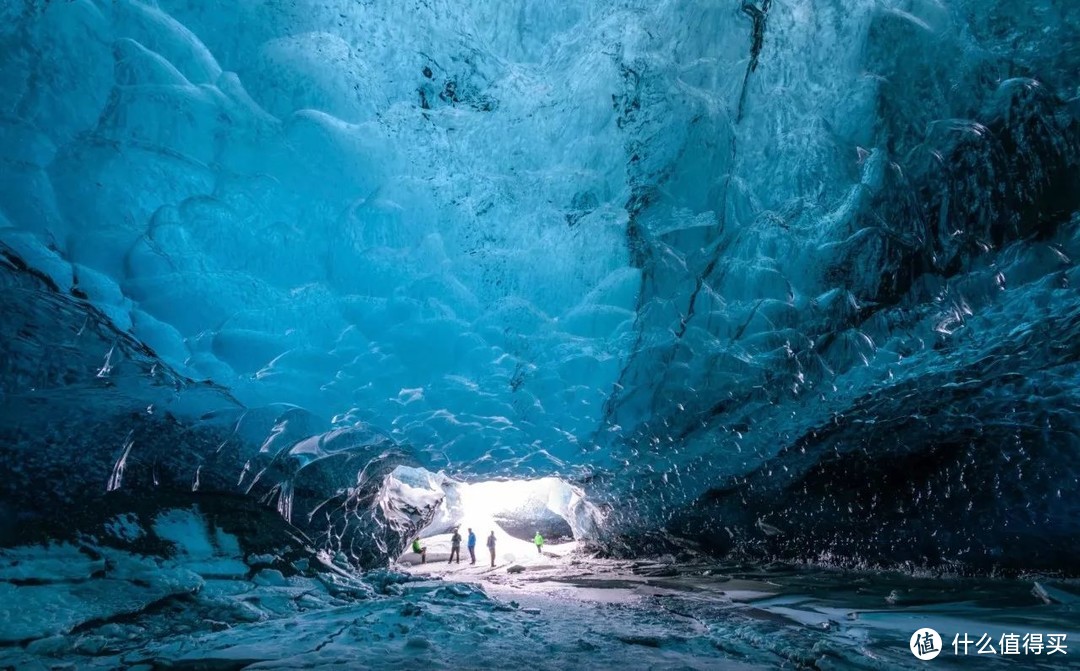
(491, 547)
(455, 547)
(539, 540)
(420, 550)
(472, 547)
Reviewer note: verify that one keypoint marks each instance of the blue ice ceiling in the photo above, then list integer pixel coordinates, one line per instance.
(715, 260)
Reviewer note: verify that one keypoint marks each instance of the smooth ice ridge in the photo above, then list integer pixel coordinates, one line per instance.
(788, 278)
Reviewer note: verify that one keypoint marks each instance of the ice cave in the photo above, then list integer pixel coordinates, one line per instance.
(505, 334)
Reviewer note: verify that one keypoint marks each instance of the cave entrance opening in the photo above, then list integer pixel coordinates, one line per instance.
(514, 510)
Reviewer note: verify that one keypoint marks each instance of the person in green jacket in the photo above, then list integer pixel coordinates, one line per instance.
(539, 540)
(420, 550)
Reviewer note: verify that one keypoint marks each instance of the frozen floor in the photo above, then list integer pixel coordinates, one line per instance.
(560, 611)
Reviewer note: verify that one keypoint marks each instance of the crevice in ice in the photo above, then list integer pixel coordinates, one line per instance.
(758, 16)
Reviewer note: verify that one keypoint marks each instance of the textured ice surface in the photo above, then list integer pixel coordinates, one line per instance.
(788, 277)
(292, 612)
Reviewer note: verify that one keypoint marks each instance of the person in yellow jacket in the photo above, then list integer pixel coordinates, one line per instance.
(539, 540)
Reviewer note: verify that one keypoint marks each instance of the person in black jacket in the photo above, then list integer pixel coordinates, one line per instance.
(491, 547)
(455, 547)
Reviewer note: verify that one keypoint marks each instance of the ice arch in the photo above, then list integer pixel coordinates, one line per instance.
(801, 266)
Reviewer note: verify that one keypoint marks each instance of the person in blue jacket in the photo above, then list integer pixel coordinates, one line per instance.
(472, 547)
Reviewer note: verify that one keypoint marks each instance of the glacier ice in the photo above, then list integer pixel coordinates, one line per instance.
(789, 279)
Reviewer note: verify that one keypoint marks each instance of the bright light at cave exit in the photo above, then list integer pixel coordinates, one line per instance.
(482, 502)
(513, 509)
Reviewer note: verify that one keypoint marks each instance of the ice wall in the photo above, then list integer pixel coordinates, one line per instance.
(370, 210)
(661, 248)
(94, 425)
